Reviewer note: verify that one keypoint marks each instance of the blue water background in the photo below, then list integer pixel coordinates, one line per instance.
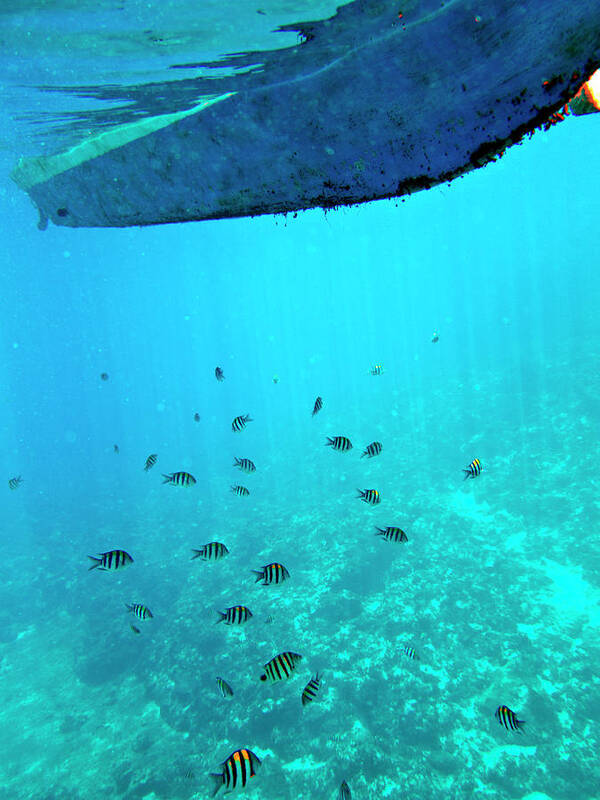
(502, 263)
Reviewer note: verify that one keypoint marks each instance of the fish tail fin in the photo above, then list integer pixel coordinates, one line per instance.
(467, 474)
(379, 531)
(167, 478)
(360, 494)
(217, 779)
(128, 607)
(222, 616)
(198, 553)
(329, 442)
(236, 461)
(363, 454)
(259, 575)
(97, 562)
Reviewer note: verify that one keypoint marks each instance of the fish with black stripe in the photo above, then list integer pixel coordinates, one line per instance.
(372, 449)
(340, 443)
(473, 469)
(244, 464)
(311, 689)
(13, 483)
(240, 422)
(317, 406)
(237, 771)
(370, 496)
(111, 560)
(344, 793)
(224, 687)
(236, 615)
(377, 369)
(179, 479)
(141, 611)
(241, 491)
(150, 461)
(272, 573)
(280, 667)
(219, 374)
(392, 534)
(410, 652)
(508, 719)
(213, 551)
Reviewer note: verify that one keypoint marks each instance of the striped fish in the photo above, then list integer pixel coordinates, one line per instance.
(473, 469)
(224, 687)
(244, 464)
(241, 491)
(311, 689)
(236, 615)
(410, 652)
(372, 449)
(340, 443)
(239, 423)
(272, 573)
(280, 666)
(111, 560)
(219, 374)
(116, 448)
(15, 482)
(212, 551)
(179, 479)
(509, 719)
(392, 534)
(139, 610)
(150, 461)
(236, 771)
(377, 369)
(317, 406)
(344, 793)
(370, 496)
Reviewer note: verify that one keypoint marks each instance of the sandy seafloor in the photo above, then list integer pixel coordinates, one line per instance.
(498, 590)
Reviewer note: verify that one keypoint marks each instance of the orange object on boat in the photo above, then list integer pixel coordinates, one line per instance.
(587, 99)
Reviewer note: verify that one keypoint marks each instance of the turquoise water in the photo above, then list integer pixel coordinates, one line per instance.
(497, 588)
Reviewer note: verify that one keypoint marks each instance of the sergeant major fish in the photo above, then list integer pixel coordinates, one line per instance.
(317, 406)
(370, 496)
(339, 443)
(311, 689)
(212, 551)
(272, 573)
(219, 374)
(280, 667)
(240, 422)
(241, 491)
(236, 615)
(179, 479)
(150, 461)
(15, 482)
(111, 560)
(410, 652)
(237, 770)
(373, 449)
(224, 687)
(508, 719)
(244, 464)
(344, 793)
(473, 469)
(392, 534)
(142, 612)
